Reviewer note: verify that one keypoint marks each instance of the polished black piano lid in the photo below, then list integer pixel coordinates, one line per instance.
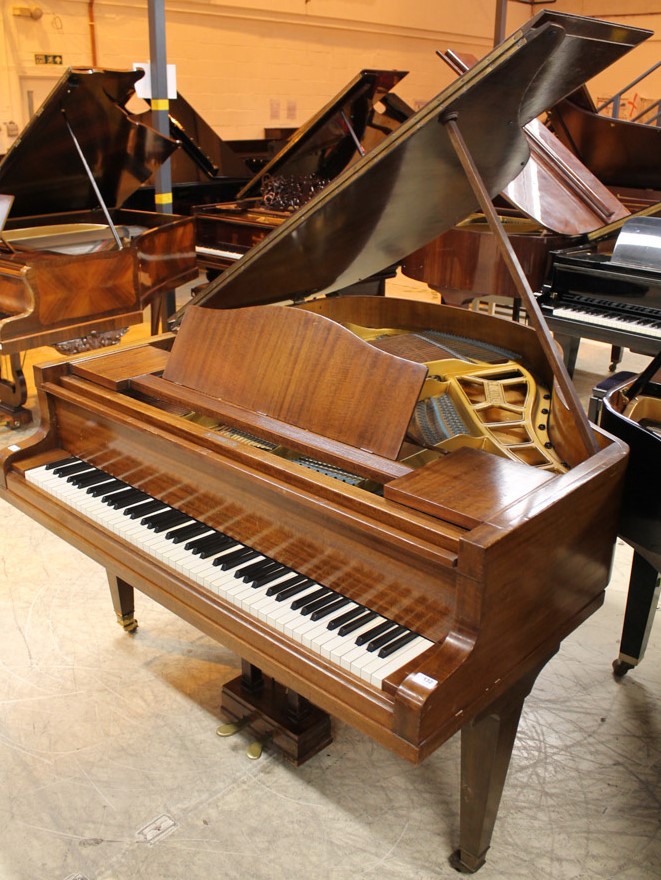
(411, 188)
(203, 155)
(334, 137)
(43, 170)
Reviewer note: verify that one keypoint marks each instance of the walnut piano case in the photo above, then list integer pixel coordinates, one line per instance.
(423, 469)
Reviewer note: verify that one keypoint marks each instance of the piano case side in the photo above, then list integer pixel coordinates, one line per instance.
(527, 577)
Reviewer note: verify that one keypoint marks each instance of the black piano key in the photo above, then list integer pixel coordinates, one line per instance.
(62, 462)
(124, 499)
(89, 478)
(348, 628)
(159, 522)
(256, 568)
(234, 559)
(142, 509)
(103, 488)
(204, 541)
(186, 532)
(387, 637)
(76, 468)
(391, 647)
(281, 595)
(303, 600)
(331, 608)
(293, 581)
(347, 617)
(373, 633)
(268, 571)
(271, 576)
(318, 604)
(209, 545)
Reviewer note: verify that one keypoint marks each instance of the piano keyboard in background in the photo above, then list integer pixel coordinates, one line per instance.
(344, 632)
(203, 250)
(585, 310)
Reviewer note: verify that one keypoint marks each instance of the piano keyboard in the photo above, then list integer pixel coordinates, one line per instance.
(635, 324)
(348, 634)
(218, 252)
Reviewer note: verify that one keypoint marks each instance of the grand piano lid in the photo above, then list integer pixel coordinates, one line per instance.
(328, 142)
(411, 187)
(557, 191)
(554, 188)
(203, 155)
(43, 170)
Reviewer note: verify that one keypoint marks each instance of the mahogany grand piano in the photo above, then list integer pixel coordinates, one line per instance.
(553, 201)
(74, 272)
(423, 474)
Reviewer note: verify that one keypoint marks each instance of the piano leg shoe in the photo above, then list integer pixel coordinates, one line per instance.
(299, 733)
(466, 864)
(122, 595)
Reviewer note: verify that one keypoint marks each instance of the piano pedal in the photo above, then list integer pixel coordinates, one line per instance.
(255, 749)
(232, 727)
(272, 718)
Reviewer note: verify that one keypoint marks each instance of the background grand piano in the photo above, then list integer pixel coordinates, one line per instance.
(631, 409)
(608, 289)
(74, 272)
(351, 124)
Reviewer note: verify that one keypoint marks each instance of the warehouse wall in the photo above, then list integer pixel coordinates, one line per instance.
(266, 63)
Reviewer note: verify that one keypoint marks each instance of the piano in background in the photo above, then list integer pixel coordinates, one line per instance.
(623, 155)
(73, 272)
(551, 201)
(344, 130)
(407, 464)
(608, 289)
(204, 169)
(631, 410)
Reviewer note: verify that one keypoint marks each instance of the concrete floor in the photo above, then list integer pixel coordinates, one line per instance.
(111, 768)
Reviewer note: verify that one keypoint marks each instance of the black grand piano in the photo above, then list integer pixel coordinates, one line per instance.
(204, 169)
(350, 125)
(631, 410)
(608, 289)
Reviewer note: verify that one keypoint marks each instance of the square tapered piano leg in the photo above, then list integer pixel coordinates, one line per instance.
(486, 748)
(289, 721)
(122, 595)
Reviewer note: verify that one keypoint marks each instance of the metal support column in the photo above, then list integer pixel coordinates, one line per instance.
(160, 114)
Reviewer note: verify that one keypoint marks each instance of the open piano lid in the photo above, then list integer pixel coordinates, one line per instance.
(203, 155)
(411, 187)
(43, 170)
(325, 145)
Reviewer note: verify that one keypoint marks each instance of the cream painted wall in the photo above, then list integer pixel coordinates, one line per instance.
(262, 63)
